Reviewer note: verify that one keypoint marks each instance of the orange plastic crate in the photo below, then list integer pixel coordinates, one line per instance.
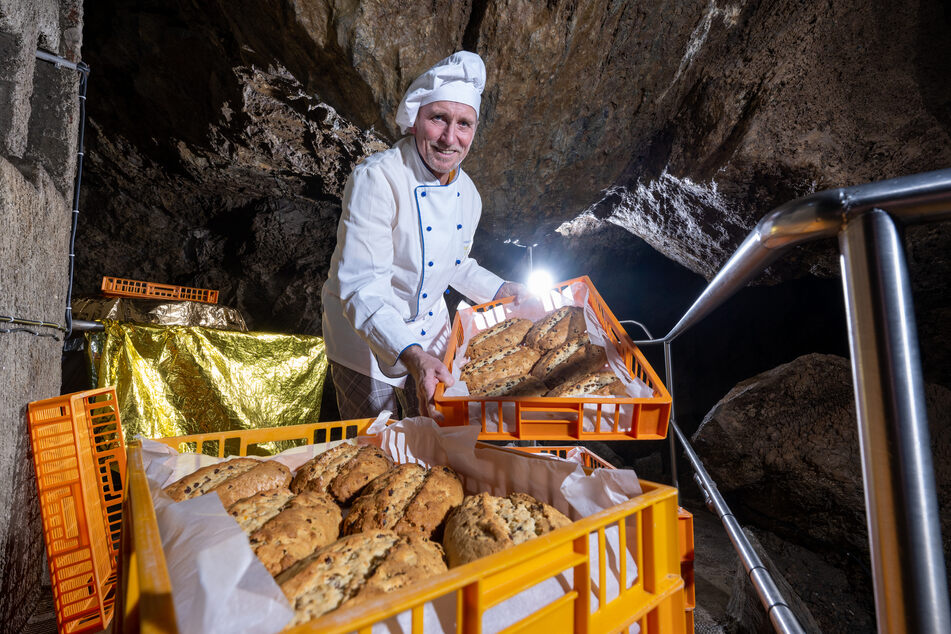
(79, 458)
(590, 460)
(542, 418)
(118, 287)
(655, 600)
(685, 531)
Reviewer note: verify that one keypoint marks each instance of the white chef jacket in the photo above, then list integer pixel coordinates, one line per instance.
(402, 240)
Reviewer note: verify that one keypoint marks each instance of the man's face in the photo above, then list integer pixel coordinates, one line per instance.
(444, 132)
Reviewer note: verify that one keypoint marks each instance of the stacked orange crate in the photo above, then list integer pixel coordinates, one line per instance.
(545, 418)
(119, 287)
(646, 524)
(79, 457)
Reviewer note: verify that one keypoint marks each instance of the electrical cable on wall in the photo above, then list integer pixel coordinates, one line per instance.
(30, 322)
(83, 70)
(83, 81)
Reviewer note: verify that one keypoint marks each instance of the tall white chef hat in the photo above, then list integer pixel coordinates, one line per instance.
(460, 77)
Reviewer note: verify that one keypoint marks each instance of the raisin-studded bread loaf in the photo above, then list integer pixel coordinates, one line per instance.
(504, 334)
(342, 471)
(525, 385)
(253, 512)
(601, 383)
(484, 524)
(356, 568)
(575, 356)
(232, 480)
(556, 328)
(509, 362)
(307, 522)
(407, 499)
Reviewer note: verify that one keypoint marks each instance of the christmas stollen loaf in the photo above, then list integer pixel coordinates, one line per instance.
(407, 499)
(504, 334)
(576, 356)
(525, 385)
(601, 383)
(556, 328)
(484, 524)
(342, 471)
(356, 568)
(231, 480)
(310, 520)
(253, 512)
(508, 362)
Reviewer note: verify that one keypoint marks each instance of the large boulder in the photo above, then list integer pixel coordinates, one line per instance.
(783, 447)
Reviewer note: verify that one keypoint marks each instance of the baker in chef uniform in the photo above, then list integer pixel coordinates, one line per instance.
(409, 217)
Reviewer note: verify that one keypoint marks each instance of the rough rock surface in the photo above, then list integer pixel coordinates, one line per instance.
(38, 108)
(682, 125)
(783, 448)
(253, 216)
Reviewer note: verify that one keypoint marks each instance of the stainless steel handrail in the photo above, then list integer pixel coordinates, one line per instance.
(901, 500)
(821, 215)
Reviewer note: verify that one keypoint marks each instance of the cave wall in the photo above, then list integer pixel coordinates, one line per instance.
(38, 116)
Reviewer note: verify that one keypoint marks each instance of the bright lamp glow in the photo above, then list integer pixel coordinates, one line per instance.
(539, 282)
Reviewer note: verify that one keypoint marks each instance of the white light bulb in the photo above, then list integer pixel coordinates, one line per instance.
(539, 282)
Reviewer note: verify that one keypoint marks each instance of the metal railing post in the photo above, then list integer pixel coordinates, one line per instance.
(908, 568)
(672, 438)
(781, 616)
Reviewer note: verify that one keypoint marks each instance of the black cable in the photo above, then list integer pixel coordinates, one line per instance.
(83, 69)
(32, 332)
(29, 322)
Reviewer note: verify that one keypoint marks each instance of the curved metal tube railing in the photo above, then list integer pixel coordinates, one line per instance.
(901, 501)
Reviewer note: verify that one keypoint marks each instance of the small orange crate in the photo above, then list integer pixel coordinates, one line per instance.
(79, 457)
(648, 523)
(544, 418)
(118, 287)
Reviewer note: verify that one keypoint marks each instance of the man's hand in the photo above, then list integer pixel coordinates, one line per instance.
(513, 289)
(427, 370)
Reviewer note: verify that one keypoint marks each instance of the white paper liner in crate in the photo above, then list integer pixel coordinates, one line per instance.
(575, 294)
(218, 585)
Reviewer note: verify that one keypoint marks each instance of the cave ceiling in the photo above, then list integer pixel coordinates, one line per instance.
(221, 133)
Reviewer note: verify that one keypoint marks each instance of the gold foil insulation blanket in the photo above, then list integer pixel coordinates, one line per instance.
(178, 380)
(152, 311)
